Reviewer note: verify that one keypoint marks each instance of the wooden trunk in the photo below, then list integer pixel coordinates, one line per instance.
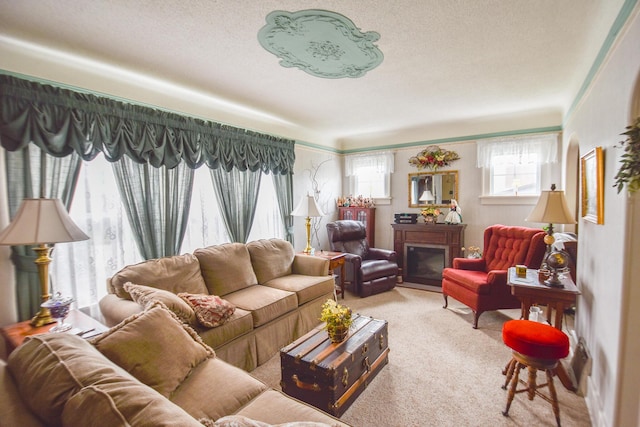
(331, 376)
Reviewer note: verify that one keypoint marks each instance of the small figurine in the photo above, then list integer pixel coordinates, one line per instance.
(455, 214)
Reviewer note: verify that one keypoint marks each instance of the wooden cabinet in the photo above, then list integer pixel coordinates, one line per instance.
(424, 250)
(365, 215)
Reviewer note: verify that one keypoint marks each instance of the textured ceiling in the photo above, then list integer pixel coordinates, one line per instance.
(451, 68)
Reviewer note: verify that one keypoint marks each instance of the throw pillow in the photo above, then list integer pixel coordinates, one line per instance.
(147, 295)
(242, 421)
(145, 346)
(210, 310)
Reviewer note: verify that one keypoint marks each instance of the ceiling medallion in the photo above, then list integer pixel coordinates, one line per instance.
(321, 43)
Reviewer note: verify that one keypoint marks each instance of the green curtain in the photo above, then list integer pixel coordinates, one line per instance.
(25, 170)
(237, 194)
(62, 121)
(284, 192)
(157, 202)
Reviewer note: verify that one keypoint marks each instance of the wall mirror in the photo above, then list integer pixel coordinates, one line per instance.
(434, 188)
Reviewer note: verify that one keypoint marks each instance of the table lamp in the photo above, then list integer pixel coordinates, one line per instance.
(307, 208)
(427, 196)
(40, 222)
(551, 208)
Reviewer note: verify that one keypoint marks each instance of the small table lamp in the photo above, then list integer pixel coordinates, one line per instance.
(426, 196)
(40, 222)
(307, 208)
(551, 208)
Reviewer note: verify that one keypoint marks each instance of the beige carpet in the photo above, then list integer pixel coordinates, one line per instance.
(441, 371)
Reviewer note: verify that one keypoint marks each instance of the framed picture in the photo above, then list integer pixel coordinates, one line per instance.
(592, 171)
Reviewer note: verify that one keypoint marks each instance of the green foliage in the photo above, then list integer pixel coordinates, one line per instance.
(629, 172)
(335, 315)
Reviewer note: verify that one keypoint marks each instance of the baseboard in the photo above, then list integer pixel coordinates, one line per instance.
(420, 286)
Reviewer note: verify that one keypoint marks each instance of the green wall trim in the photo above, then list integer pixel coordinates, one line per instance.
(319, 147)
(455, 139)
(620, 21)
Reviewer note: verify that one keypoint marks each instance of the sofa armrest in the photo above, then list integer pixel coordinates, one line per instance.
(115, 309)
(384, 254)
(310, 265)
(475, 264)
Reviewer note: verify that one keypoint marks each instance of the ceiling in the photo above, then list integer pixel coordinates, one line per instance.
(451, 67)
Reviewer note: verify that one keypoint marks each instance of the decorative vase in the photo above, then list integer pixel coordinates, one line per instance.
(429, 219)
(338, 333)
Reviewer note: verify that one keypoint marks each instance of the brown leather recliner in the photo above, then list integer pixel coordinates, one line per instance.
(368, 270)
(481, 283)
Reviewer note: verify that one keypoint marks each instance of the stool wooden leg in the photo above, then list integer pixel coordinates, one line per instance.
(554, 396)
(508, 371)
(512, 389)
(531, 385)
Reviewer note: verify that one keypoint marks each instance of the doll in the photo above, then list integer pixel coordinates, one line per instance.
(455, 214)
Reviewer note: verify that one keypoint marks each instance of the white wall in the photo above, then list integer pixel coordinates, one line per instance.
(607, 309)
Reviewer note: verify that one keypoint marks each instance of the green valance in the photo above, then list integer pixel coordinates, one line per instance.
(61, 121)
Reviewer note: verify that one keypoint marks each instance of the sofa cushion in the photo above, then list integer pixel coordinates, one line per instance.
(264, 303)
(216, 389)
(147, 295)
(135, 345)
(225, 268)
(307, 288)
(123, 402)
(211, 310)
(242, 421)
(50, 368)
(240, 323)
(180, 273)
(271, 258)
(275, 407)
(13, 409)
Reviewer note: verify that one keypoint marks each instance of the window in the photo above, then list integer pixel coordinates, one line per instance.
(81, 269)
(370, 174)
(513, 166)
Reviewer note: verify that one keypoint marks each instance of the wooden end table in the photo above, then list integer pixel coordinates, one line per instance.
(529, 290)
(14, 335)
(336, 259)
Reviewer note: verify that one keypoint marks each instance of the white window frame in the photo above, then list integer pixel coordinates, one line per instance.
(357, 165)
(544, 145)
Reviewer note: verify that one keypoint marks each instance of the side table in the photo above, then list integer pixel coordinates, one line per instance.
(15, 334)
(529, 290)
(336, 259)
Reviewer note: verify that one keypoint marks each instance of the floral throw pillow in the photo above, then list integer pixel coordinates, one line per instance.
(211, 310)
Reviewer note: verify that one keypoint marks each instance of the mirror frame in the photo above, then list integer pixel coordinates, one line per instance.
(414, 179)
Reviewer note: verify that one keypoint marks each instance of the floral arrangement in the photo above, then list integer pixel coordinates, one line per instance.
(335, 315)
(433, 157)
(474, 252)
(430, 211)
(359, 201)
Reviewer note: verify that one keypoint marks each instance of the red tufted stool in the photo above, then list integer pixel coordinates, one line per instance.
(536, 346)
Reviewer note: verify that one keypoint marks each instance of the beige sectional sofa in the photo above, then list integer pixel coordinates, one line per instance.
(277, 294)
(150, 370)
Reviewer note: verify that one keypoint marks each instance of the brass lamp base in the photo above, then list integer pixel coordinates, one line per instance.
(307, 250)
(43, 317)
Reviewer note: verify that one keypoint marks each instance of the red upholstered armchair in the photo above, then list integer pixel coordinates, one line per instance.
(369, 270)
(481, 283)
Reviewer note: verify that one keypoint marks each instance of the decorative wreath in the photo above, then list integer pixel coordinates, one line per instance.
(433, 157)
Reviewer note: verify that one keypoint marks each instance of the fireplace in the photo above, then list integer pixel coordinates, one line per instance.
(423, 263)
(424, 250)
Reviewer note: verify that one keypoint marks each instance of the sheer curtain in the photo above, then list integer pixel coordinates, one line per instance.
(545, 147)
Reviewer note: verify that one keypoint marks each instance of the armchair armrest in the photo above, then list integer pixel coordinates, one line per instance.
(384, 254)
(354, 260)
(475, 264)
(497, 277)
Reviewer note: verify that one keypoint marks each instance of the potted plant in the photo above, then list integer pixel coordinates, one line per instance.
(629, 172)
(430, 214)
(337, 318)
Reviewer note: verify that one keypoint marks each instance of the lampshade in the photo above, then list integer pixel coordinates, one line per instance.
(426, 196)
(551, 208)
(41, 221)
(307, 207)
